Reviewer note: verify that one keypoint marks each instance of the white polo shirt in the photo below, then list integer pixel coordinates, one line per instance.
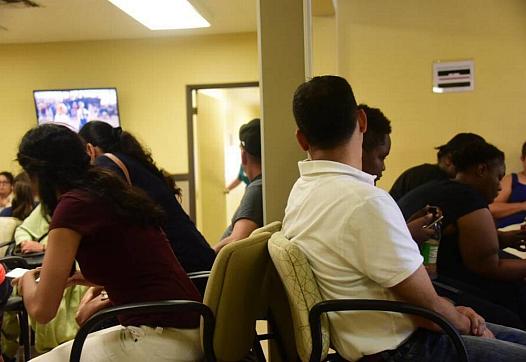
(358, 245)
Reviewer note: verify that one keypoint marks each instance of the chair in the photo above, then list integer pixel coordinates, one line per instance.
(16, 305)
(7, 232)
(271, 228)
(311, 324)
(239, 292)
(148, 307)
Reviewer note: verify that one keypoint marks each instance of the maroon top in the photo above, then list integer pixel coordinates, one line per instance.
(133, 263)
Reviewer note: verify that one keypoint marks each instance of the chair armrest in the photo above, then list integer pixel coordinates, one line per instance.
(149, 307)
(340, 305)
(199, 274)
(13, 262)
(6, 243)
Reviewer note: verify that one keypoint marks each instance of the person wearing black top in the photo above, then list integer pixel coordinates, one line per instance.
(192, 250)
(468, 256)
(442, 170)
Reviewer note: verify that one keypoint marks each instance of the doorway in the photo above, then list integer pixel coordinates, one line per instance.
(215, 113)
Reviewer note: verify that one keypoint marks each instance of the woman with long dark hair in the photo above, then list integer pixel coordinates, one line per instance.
(23, 200)
(113, 232)
(193, 251)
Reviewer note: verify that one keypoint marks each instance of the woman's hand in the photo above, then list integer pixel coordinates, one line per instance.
(31, 275)
(94, 299)
(78, 279)
(513, 239)
(31, 246)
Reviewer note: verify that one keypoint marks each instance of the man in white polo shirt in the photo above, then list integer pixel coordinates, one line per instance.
(358, 244)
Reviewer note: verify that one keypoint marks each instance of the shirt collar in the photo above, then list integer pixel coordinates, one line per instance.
(312, 167)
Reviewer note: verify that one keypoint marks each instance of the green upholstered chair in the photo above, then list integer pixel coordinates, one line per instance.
(271, 228)
(311, 325)
(240, 291)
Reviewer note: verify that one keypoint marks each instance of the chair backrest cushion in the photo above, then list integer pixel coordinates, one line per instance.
(302, 291)
(7, 231)
(237, 294)
(271, 228)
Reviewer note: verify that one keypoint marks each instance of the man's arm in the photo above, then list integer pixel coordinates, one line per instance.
(479, 247)
(417, 289)
(242, 229)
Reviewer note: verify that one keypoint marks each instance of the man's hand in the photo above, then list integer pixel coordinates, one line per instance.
(515, 239)
(478, 324)
(31, 246)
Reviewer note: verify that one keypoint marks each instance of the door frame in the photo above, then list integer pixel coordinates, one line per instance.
(190, 111)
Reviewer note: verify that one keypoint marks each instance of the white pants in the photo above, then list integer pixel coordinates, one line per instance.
(132, 344)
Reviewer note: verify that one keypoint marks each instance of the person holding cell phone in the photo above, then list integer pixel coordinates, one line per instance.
(375, 149)
(469, 253)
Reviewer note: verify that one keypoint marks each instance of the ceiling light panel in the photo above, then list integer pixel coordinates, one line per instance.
(163, 14)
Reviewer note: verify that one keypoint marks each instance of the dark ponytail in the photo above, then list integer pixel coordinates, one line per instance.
(109, 139)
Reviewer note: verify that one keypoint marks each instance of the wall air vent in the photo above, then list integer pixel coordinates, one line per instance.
(19, 4)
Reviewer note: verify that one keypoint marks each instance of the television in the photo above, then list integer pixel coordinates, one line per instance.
(76, 107)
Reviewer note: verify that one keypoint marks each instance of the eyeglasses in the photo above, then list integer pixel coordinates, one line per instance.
(5, 183)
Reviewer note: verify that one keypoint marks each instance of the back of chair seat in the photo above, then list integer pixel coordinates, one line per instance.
(7, 231)
(237, 294)
(271, 228)
(302, 291)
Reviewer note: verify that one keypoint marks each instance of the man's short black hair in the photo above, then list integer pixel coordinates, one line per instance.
(523, 150)
(378, 126)
(325, 111)
(474, 154)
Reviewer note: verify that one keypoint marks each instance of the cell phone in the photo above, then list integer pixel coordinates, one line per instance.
(434, 222)
(435, 210)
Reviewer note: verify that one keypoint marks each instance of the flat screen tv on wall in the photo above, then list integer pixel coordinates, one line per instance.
(76, 107)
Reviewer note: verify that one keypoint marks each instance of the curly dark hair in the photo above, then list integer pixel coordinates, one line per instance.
(378, 126)
(108, 139)
(56, 158)
(474, 154)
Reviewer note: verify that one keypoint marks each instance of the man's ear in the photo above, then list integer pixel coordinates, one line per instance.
(361, 120)
(482, 169)
(302, 140)
(244, 157)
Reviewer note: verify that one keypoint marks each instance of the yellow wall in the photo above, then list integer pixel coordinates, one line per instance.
(150, 76)
(210, 170)
(386, 50)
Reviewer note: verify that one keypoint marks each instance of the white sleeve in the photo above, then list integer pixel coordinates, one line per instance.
(384, 249)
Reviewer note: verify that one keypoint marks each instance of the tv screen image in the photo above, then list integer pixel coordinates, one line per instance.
(76, 107)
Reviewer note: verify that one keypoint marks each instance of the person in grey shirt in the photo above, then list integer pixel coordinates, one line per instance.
(249, 214)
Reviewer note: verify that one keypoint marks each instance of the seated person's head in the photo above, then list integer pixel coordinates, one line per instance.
(376, 141)
(250, 137)
(23, 199)
(481, 166)
(326, 113)
(55, 159)
(445, 152)
(6, 183)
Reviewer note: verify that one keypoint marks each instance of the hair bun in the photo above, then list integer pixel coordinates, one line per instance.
(117, 131)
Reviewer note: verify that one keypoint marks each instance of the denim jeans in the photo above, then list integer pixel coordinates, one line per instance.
(509, 345)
